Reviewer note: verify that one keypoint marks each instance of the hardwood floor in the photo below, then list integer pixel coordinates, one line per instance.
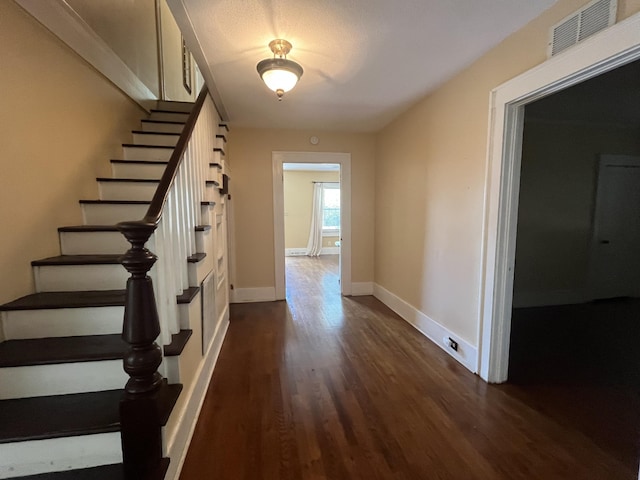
(325, 387)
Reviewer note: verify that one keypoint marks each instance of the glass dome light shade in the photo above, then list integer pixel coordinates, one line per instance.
(279, 73)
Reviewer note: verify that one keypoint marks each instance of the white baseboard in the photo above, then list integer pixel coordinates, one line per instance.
(295, 252)
(467, 354)
(182, 439)
(248, 295)
(554, 297)
(299, 252)
(361, 288)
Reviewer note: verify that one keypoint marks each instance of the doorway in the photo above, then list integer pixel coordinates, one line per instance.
(312, 228)
(314, 162)
(609, 49)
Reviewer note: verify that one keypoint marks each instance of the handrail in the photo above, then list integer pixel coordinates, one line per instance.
(154, 212)
(140, 425)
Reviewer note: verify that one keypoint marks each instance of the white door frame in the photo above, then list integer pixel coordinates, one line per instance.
(344, 160)
(611, 48)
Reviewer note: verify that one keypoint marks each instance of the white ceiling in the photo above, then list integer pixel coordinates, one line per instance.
(311, 167)
(364, 61)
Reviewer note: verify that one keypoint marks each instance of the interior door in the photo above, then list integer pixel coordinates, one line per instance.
(615, 252)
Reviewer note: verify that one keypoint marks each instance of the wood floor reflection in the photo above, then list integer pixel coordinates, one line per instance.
(328, 387)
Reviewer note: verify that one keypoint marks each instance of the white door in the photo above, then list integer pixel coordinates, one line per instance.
(615, 249)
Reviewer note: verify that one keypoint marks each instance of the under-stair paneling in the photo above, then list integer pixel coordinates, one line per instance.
(60, 120)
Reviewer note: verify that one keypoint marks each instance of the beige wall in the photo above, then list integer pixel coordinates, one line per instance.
(129, 28)
(298, 203)
(252, 193)
(172, 58)
(557, 196)
(431, 160)
(61, 121)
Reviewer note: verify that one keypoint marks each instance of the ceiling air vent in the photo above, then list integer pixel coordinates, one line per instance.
(593, 17)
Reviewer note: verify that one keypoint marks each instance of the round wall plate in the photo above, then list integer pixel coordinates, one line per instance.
(314, 140)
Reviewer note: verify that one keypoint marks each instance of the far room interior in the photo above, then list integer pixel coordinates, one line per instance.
(574, 324)
(312, 227)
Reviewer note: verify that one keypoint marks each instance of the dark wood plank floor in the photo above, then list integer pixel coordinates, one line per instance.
(324, 387)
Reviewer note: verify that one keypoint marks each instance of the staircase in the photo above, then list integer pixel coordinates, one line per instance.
(61, 358)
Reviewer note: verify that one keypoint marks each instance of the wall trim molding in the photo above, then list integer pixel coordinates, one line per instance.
(191, 413)
(249, 295)
(301, 252)
(61, 20)
(604, 51)
(466, 354)
(295, 252)
(278, 159)
(361, 288)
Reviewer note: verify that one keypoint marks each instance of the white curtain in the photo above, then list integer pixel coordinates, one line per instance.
(315, 232)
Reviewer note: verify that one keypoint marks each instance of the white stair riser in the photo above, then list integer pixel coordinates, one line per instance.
(207, 214)
(138, 170)
(150, 139)
(58, 454)
(88, 243)
(175, 106)
(212, 193)
(218, 157)
(61, 378)
(62, 322)
(105, 214)
(220, 143)
(169, 116)
(68, 278)
(204, 242)
(198, 271)
(215, 174)
(143, 153)
(162, 127)
(127, 190)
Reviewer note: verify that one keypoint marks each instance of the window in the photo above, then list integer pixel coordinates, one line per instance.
(330, 209)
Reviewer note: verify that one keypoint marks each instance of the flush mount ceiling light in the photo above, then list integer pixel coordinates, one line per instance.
(278, 73)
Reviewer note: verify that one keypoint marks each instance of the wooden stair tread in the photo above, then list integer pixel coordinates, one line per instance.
(116, 202)
(158, 110)
(196, 257)
(188, 295)
(104, 472)
(140, 162)
(224, 125)
(216, 165)
(173, 122)
(54, 350)
(85, 348)
(207, 203)
(142, 132)
(223, 137)
(139, 145)
(56, 416)
(81, 299)
(47, 300)
(130, 180)
(88, 228)
(203, 228)
(104, 259)
(178, 342)
(212, 182)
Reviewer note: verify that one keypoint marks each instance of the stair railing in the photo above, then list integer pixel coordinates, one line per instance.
(174, 212)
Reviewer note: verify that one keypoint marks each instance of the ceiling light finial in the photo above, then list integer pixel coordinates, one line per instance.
(278, 73)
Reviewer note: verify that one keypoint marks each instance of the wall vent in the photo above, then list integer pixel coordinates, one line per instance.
(593, 17)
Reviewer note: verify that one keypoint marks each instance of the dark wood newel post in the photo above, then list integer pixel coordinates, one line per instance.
(139, 417)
